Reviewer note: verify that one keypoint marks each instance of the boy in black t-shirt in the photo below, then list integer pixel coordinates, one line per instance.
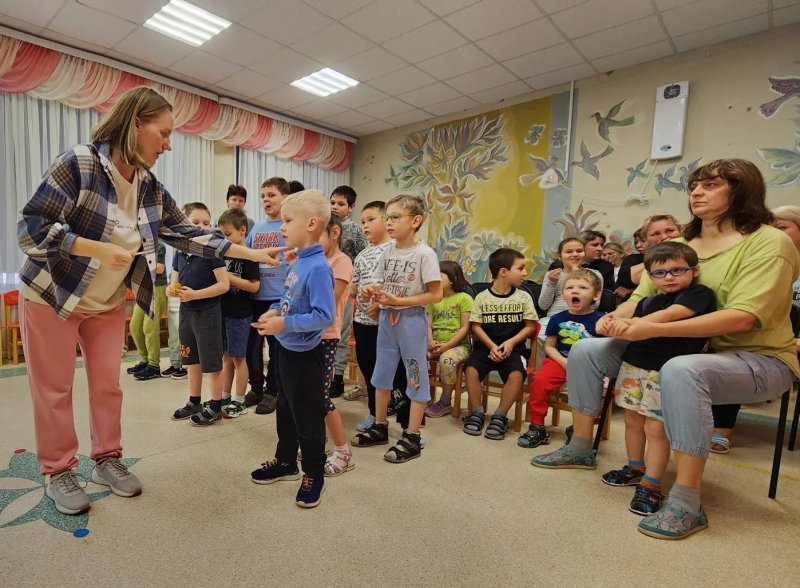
(502, 318)
(199, 283)
(237, 314)
(673, 269)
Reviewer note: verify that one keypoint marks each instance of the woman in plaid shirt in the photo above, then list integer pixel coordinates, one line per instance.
(90, 232)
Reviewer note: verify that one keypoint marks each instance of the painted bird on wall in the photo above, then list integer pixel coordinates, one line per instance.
(605, 123)
(545, 171)
(589, 162)
(636, 172)
(788, 87)
(665, 181)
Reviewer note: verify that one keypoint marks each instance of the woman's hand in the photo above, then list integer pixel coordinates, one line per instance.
(268, 256)
(603, 325)
(636, 329)
(114, 257)
(554, 275)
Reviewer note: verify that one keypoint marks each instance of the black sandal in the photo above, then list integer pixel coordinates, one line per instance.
(473, 423)
(377, 434)
(408, 447)
(498, 425)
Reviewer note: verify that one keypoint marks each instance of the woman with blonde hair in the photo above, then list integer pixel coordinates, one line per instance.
(89, 232)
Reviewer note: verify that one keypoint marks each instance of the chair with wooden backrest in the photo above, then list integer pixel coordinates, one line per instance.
(13, 335)
(494, 388)
(560, 401)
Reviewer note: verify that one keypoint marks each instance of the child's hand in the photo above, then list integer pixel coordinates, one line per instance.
(434, 349)
(269, 255)
(638, 329)
(383, 297)
(186, 294)
(504, 349)
(171, 292)
(495, 354)
(270, 313)
(368, 292)
(603, 326)
(554, 275)
(269, 326)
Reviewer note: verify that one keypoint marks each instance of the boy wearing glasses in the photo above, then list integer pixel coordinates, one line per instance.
(672, 267)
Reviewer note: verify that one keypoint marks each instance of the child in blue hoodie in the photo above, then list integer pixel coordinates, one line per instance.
(306, 309)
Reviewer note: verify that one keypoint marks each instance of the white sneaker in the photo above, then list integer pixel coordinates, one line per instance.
(67, 494)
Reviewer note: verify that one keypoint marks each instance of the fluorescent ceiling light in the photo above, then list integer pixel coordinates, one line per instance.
(325, 82)
(186, 22)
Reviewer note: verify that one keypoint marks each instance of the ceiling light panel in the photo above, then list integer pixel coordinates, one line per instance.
(186, 22)
(325, 82)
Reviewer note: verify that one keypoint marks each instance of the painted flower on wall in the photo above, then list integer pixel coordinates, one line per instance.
(784, 161)
(559, 137)
(483, 244)
(468, 265)
(534, 134)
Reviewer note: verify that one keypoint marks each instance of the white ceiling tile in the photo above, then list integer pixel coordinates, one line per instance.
(408, 117)
(776, 4)
(500, 93)
(444, 7)
(371, 128)
(550, 59)
(286, 22)
(240, 45)
(286, 65)
(386, 19)
(664, 5)
(92, 26)
(232, 10)
(331, 44)
(786, 16)
(723, 32)
(409, 78)
(633, 57)
(370, 64)
(348, 119)
(286, 98)
(644, 31)
(20, 25)
(481, 79)
(135, 62)
(248, 83)
(561, 76)
(71, 41)
(337, 8)
(456, 62)
(203, 66)
(432, 94)
(358, 96)
(598, 15)
(154, 47)
(488, 17)
(553, 6)
(521, 40)
(428, 40)
(384, 108)
(321, 108)
(36, 12)
(454, 106)
(704, 14)
(137, 12)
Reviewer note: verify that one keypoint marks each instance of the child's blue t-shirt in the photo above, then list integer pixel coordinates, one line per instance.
(569, 328)
(267, 233)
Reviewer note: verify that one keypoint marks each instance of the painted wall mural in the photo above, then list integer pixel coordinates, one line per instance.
(475, 177)
(785, 162)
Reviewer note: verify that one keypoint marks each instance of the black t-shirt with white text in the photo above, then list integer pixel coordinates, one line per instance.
(237, 303)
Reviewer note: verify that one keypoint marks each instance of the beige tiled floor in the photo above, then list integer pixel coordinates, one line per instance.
(470, 512)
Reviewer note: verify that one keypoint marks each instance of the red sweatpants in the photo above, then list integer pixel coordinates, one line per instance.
(50, 350)
(546, 380)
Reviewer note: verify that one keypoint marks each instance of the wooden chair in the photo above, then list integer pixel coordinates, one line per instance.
(436, 382)
(494, 388)
(13, 334)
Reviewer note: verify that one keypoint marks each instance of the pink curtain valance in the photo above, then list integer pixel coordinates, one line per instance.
(80, 83)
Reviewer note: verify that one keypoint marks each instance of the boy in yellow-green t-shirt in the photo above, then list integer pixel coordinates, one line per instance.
(448, 327)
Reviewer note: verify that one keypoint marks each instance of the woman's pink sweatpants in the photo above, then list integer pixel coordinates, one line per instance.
(50, 351)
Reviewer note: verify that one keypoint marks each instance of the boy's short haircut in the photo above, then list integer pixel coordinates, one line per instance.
(313, 203)
(236, 190)
(503, 258)
(376, 204)
(346, 192)
(587, 236)
(670, 251)
(189, 207)
(280, 184)
(584, 274)
(234, 217)
(334, 221)
(295, 186)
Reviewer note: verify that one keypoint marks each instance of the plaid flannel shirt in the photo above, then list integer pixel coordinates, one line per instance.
(72, 201)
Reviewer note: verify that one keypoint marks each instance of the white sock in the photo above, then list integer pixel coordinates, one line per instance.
(239, 399)
(226, 395)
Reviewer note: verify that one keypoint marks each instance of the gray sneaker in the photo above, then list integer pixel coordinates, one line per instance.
(67, 494)
(565, 458)
(112, 473)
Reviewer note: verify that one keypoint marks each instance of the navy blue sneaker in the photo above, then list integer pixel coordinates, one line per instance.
(274, 471)
(138, 367)
(646, 501)
(308, 496)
